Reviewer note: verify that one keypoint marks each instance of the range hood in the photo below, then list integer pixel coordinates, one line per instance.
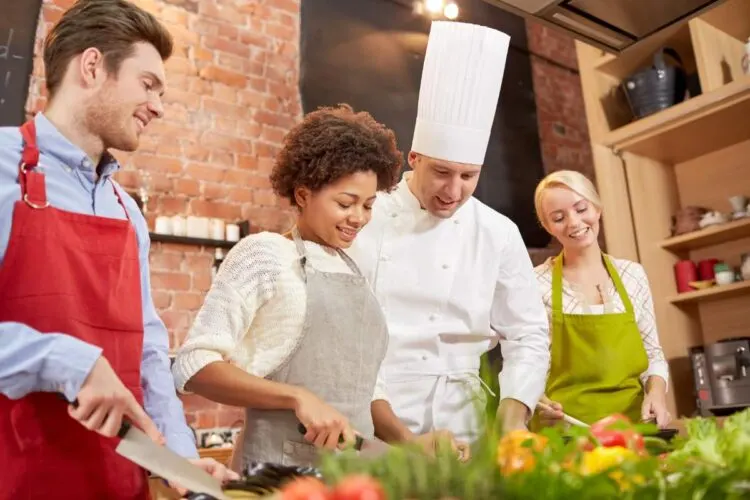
(612, 25)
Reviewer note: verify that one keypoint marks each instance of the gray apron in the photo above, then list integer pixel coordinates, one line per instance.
(343, 342)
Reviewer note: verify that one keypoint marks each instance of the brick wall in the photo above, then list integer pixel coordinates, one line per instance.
(563, 130)
(232, 96)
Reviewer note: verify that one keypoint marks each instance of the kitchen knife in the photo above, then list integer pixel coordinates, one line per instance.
(137, 447)
(371, 448)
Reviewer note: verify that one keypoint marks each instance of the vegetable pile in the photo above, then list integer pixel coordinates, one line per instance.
(612, 459)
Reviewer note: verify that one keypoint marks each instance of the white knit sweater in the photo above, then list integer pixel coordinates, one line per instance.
(255, 310)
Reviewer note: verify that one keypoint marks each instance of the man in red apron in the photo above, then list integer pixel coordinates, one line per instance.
(76, 314)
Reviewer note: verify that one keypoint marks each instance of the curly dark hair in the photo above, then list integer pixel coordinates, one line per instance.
(331, 143)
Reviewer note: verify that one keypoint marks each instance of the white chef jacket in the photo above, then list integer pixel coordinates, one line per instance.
(451, 289)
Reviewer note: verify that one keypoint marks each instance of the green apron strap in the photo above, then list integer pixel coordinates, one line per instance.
(557, 302)
(618, 284)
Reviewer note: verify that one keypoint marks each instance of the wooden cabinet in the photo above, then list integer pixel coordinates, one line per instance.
(695, 153)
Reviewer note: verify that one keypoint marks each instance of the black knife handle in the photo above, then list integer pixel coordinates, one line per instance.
(358, 440)
(124, 426)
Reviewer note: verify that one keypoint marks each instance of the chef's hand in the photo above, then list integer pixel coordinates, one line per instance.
(216, 469)
(433, 441)
(324, 423)
(550, 412)
(655, 408)
(512, 415)
(103, 401)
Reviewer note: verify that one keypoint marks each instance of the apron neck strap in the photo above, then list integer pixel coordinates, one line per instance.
(557, 302)
(303, 253)
(33, 186)
(557, 286)
(618, 284)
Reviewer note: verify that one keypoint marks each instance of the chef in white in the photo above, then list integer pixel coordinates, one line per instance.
(452, 275)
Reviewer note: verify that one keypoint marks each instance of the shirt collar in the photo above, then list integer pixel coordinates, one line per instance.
(51, 142)
(408, 201)
(405, 197)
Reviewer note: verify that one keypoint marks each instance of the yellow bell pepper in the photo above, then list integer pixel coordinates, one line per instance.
(602, 458)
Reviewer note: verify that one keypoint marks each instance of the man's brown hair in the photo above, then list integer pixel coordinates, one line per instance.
(112, 26)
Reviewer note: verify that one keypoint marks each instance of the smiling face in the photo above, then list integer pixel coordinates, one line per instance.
(122, 105)
(442, 186)
(335, 214)
(569, 217)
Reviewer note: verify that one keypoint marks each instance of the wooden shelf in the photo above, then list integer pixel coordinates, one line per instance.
(186, 240)
(700, 125)
(714, 293)
(642, 55)
(712, 235)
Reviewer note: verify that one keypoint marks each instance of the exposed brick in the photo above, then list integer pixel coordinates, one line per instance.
(163, 261)
(168, 280)
(162, 299)
(205, 172)
(190, 301)
(225, 76)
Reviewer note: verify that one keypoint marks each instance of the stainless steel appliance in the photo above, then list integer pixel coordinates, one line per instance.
(721, 373)
(612, 25)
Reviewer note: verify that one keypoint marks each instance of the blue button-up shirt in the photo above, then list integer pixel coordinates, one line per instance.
(55, 362)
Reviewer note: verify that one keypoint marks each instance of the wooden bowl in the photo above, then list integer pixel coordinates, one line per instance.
(701, 285)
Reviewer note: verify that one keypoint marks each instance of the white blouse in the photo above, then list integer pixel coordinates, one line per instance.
(254, 313)
(636, 285)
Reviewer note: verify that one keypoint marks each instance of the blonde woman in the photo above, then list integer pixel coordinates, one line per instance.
(606, 357)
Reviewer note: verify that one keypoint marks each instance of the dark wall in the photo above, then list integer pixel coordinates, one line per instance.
(369, 53)
(18, 21)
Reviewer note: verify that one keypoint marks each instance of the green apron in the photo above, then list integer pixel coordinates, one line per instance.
(596, 359)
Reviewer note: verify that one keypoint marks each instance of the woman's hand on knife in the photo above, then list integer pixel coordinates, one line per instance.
(325, 425)
(550, 412)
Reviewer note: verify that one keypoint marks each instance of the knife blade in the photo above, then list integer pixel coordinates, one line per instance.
(140, 449)
(367, 448)
(137, 447)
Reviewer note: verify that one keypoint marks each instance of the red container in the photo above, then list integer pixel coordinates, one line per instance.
(685, 271)
(706, 269)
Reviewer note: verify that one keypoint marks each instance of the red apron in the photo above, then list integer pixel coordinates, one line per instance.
(76, 274)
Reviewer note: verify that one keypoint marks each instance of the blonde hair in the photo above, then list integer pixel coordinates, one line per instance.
(575, 181)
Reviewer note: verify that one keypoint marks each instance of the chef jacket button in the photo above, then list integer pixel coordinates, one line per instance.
(384, 258)
(456, 221)
(394, 214)
(424, 358)
(433, 317)
(446, 266)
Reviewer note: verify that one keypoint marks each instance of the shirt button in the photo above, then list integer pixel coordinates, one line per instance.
(86, 164)
(456, 221)
(446, 266)
(394, 214)
(433, 317)
(69, 169)
(424, 358)
(384, 258)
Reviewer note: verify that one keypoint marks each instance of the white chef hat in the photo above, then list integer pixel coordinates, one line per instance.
(461, 77)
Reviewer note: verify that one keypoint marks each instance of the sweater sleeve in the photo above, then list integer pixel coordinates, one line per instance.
(643, 305)
(246, 280)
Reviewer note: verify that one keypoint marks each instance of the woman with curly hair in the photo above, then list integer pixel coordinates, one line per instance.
(290, 329)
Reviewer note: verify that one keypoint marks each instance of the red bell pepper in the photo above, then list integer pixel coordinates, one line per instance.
(617, 430)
